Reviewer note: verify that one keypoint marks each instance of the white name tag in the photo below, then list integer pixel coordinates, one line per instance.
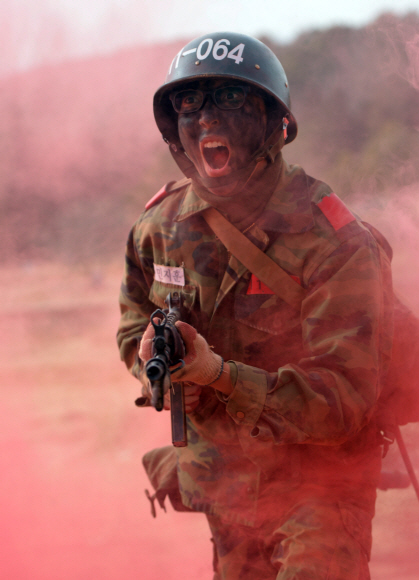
(169, 275)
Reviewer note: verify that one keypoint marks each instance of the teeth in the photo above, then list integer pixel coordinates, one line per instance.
(212, 144)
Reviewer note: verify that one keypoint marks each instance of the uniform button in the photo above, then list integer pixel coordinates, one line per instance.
(250, 490)
(240, 415)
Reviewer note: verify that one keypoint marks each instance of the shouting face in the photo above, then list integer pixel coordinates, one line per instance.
(218, 140)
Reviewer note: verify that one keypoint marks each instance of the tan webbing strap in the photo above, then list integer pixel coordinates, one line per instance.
(261, 265)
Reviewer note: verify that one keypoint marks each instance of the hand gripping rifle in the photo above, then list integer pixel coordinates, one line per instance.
(168, 350)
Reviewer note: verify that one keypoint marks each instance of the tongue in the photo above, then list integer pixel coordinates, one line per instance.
(217, 157)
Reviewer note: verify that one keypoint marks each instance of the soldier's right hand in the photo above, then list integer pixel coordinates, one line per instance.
(145, 350)
(145, 354)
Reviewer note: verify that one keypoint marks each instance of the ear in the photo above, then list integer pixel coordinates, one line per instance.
(285, 124)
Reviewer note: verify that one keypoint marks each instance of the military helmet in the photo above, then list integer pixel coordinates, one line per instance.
(223, 55)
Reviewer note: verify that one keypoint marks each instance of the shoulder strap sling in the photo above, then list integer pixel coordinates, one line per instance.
(261, 265)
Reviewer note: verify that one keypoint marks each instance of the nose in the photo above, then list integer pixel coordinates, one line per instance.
(209, 114)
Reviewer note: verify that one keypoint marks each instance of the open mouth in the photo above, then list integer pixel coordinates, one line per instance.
(216, 155)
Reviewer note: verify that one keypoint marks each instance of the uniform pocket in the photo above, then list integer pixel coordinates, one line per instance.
(265, 312)
(161, 467)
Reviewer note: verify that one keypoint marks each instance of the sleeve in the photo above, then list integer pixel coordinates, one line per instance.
(134, 305)
(330, 395)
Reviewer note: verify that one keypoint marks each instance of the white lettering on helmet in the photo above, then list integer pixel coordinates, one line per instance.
(236, 53)
(218, 50)
(218, 46)
(199, 54)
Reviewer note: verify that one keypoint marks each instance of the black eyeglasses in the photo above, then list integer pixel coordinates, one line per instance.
(226, 98)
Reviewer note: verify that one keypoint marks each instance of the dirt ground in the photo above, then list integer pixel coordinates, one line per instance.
(72, 487)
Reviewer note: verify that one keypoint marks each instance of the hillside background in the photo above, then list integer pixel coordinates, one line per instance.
(79, 157)
(80, 153)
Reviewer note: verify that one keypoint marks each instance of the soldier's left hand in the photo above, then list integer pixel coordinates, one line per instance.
(202, 365)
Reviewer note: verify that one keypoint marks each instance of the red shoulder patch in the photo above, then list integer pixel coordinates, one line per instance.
(335, 211)
(161, 194)
(166, 190)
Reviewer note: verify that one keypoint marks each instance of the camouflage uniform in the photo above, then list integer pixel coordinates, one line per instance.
(297, 437)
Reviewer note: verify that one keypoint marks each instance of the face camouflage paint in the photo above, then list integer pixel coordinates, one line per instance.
(221, 140)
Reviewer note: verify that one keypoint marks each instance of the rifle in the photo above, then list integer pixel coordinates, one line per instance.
(168, 350)
(407, 462)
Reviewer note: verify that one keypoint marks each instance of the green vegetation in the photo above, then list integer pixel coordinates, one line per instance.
(356, 97)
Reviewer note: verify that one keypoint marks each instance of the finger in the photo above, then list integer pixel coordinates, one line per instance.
(149, 331)
(167, 402)
(144, 351)
(191, 389)
(191, 406)
(188, 334)
(190, 400)
(166, 384)
(191, 393)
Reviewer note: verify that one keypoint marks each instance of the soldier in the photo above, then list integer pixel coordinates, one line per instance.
(281, 385)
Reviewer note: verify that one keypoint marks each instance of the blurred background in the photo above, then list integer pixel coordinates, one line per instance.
(79, 157)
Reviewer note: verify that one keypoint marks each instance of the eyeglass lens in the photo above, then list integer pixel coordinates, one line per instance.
(191, 100)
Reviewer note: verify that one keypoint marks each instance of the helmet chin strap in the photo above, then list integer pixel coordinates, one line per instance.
(260, 159)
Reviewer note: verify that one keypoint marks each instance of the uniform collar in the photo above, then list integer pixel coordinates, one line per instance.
(287, 211)
(289, 208)
(190, 205)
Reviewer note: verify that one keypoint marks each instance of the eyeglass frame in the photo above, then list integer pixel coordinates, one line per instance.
(246, 89)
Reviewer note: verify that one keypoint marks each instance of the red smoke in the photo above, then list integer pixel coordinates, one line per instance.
(72, 490)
